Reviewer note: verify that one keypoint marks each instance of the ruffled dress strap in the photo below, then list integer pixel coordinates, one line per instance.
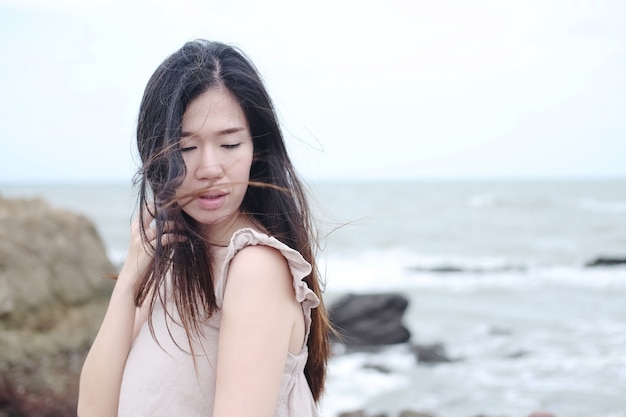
(298, 266)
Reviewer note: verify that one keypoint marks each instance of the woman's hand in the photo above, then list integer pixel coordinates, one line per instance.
(141, 248)
(140, 252)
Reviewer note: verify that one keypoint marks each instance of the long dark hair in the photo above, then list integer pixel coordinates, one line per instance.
(275, 197)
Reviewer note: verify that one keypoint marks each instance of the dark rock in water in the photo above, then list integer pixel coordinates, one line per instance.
(431, 354)
(453, 269)
(380, 368)
(52, 300)
(499, 331)
(405, 413)
(370, 319)
(516, 354)
(606, 262)
(358, 413)
(442, 269)
(409, 413)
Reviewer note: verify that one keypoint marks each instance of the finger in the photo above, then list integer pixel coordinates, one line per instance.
(171, 226)
(171, 238)
(170, 234)
(147, 215)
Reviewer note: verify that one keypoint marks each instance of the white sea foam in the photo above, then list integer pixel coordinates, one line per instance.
(116, 256)
(614, 207)
(399, 270)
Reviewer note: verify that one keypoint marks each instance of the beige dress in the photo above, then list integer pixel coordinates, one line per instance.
(162, 381)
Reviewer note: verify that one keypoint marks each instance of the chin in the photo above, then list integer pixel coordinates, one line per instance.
(211, 219)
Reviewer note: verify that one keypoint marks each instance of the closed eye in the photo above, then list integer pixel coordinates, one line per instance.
(231, 146)
(187, 148)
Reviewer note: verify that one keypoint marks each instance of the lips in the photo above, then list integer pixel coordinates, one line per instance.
(212, 200)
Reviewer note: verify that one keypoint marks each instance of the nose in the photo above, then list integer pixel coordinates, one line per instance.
(209, 166)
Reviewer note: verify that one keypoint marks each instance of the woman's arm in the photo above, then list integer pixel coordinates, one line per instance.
(101, 376)
(259, 313)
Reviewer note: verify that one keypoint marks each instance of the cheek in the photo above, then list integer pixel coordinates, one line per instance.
(185, 186)
(246, 165)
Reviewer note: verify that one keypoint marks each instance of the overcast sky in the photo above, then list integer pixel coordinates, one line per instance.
(365, 89)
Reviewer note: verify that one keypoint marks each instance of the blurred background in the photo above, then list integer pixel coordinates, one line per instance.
(366, 89)
(466, 155)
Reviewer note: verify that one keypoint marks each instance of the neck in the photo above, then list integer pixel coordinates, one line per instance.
(221, 233)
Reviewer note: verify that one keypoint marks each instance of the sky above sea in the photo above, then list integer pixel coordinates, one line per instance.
(364, 89)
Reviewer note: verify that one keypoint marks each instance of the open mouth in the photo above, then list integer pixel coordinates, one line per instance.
(213, 195)
(212, 200)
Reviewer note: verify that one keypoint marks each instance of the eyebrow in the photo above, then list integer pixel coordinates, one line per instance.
(224, 132)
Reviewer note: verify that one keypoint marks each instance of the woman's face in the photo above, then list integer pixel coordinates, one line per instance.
(217, 148)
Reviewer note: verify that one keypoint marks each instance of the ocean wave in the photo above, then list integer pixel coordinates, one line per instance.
(485, 382)
(488, 200)
(615, 207)
(117, 256)
(399, 270)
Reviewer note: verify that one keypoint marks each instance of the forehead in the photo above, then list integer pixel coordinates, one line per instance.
(213, 111)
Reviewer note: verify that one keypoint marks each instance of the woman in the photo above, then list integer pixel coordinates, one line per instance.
(217, 309)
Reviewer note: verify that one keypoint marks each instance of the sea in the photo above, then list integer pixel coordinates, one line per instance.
(495, 271)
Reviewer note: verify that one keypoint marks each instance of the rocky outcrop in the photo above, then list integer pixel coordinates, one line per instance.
(52, 299)
(370, 319)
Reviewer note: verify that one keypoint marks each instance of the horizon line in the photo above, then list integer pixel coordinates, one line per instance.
(364, 180)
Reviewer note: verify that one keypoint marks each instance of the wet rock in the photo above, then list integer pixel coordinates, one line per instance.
(499, 331)
(431, 354)
(454, 269)
(52, 299)
(606, 262)
(380, 368)
(516, 354)
(409, 413)
(358, 413)
(370, 319)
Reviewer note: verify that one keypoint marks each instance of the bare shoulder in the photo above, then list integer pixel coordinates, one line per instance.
(259, 257)
(260, 264)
